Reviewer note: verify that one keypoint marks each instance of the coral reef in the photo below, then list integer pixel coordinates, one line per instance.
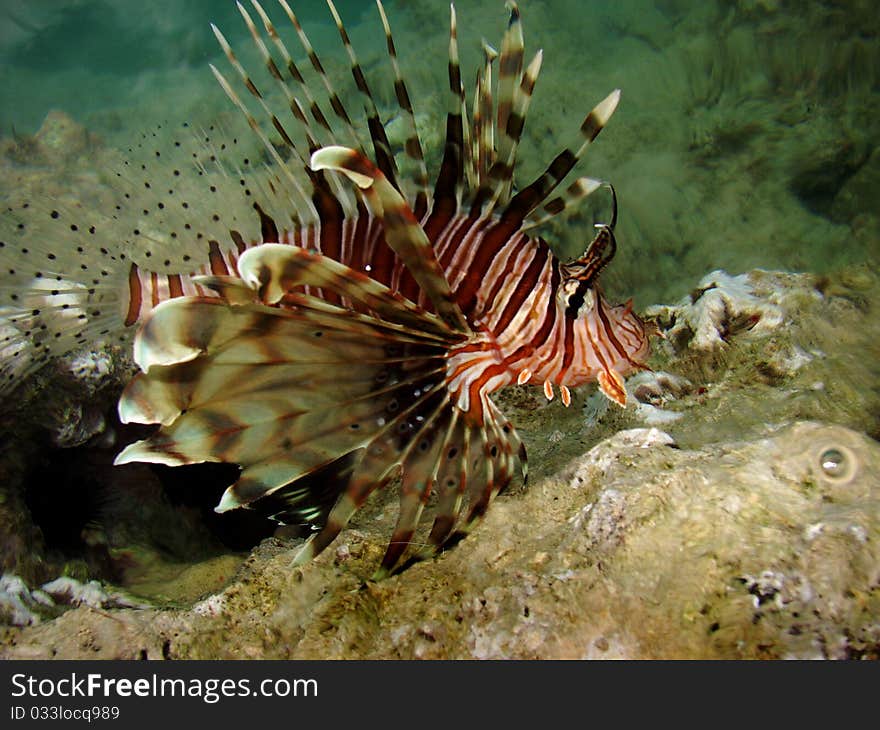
(719, 306)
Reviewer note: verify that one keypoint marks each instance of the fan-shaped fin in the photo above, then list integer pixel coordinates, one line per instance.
(271, 388)
(266, 392)
(275, 271)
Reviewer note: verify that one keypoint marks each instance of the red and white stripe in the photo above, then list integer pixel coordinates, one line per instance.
(507, 286)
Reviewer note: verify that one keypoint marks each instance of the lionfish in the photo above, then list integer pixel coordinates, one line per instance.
(355, 339)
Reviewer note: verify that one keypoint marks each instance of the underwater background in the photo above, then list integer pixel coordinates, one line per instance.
(745, 121)
(746, 139)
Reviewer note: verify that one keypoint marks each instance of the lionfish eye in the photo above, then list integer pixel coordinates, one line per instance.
(579, 297)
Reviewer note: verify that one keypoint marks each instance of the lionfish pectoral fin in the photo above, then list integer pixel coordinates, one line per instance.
(501, 451)
(409, 443)
(435, 448)
(271, 388)
(611, 384)
(375, 465)
(411, 506)
(352, 164)
(402, 230)
(450, 480)
(275, 270)
(476, 463)
(153, 348)
(230, 288)
(154, 451)
(150, 400)
(308, 499)
(423, 462)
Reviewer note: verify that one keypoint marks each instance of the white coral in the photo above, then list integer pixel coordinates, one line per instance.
(719, 304)
(92, 594)
(602, 457)
(17, 602)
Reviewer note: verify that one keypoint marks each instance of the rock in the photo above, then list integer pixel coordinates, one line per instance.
(765, 548)
(60, 140)
(819, 173)
(62, 137)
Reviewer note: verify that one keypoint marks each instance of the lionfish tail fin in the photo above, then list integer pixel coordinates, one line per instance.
(178, 202)
(54, 300)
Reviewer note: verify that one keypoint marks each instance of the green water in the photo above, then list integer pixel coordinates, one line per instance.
(746, 136)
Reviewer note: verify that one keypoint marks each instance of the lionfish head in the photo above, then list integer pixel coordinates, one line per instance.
(609, 341)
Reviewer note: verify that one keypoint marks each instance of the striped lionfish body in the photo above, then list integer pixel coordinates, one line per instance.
(358, 337)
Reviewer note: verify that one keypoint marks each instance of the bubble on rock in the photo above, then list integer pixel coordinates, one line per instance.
(833, 462)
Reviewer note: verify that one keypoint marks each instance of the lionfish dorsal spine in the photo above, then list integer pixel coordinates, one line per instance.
(335, 102)
(402, 230)
(412, 146)
(324, 132)
(290, 178)
(510, 65)
(294, 103)
(553, 208)
(482, 128)
(450, 178)
(383, 156)
(530, 197)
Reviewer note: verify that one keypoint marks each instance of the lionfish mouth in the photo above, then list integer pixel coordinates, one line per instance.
(337, 324)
